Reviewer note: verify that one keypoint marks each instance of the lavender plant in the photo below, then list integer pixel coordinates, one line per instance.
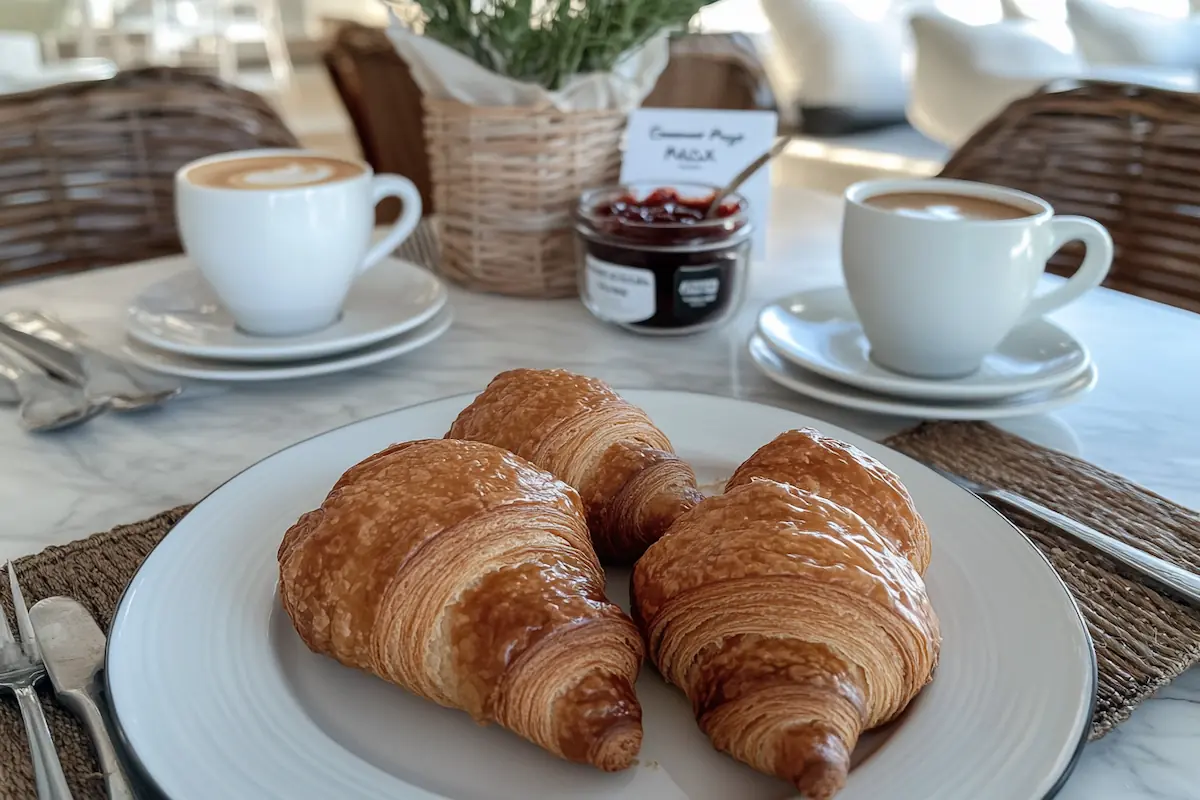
(546, 41)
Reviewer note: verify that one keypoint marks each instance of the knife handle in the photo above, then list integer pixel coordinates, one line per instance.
(116, 779)
(1178, 580)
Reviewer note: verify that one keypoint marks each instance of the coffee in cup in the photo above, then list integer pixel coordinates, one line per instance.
(272, 172)
(941, 205)
(939, 271)
(280, 235)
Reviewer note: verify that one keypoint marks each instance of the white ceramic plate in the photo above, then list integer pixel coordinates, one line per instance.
(218, 698)
(182, 315)
(187, 367)
(810, 384)
(819, 331)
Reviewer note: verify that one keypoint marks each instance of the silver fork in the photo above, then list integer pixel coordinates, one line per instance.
(21, 668)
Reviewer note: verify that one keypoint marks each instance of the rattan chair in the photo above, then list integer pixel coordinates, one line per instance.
(87, 170)
(1127, 156)
(384, 104)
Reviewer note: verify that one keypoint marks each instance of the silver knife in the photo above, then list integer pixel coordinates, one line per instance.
(1180, 581)
(73, 648)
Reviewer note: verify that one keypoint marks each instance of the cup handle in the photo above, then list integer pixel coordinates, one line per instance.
(384, 186)
(1096, 263)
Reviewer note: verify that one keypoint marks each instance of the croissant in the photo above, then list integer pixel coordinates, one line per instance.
(466, 575)
(791, 625)
(849, 477)
(632, 484)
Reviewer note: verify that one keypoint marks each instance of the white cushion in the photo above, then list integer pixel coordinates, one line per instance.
(965, 74)
(1108, 34)
(843, 54)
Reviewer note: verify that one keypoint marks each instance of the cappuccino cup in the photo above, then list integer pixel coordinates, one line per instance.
(939, 271)
(280, 235)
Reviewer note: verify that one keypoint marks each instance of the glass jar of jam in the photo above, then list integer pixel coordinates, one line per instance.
(650, 262)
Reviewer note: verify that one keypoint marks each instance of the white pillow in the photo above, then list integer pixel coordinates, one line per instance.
(843, 54)
(1128, 36)
(1046, 10)
(966, 74)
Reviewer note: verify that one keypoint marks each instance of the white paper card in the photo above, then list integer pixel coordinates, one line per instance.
(673, 145)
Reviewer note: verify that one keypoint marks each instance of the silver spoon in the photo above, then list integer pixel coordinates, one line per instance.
(60, 349)
(743, 176)
(45, 404)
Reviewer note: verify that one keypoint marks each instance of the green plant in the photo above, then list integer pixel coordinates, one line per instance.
(546, 41)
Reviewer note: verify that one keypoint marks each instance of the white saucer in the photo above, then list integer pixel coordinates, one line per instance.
(810, 384)
(186, 367)
(182, 315)
(819, 331)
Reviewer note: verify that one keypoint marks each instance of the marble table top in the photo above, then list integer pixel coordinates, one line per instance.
(1142, 421)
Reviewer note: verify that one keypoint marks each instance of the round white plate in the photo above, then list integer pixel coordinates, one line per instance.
(186, 367)
(182, 315)
(218, 697)
(819, 331)
(785, 373)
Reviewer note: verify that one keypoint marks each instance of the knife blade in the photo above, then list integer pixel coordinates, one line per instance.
(73, 649)
(1175, 579)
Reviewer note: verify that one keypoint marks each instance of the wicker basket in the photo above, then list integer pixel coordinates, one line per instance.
(87, 170)
(505, 181)
(1126, 156)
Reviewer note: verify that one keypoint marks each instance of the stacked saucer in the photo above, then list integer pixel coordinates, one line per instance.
(178, 327)
(811, 342)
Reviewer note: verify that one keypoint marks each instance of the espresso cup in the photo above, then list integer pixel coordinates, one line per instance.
(939, 271)
(280, 235)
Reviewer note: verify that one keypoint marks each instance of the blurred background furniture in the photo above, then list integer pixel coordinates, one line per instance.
(23, 69)
(87, 170)
(966, 74)
(1127, 156)
(384, 103)
(712, 70)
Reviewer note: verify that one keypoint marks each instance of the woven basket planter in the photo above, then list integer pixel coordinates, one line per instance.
(505, 181)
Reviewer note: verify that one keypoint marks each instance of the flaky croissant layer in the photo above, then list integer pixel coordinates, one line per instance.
(791, 625)
(632, 484)
(843, 473)
(466, 575)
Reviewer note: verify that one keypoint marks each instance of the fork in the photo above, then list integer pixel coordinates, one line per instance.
(21, 668)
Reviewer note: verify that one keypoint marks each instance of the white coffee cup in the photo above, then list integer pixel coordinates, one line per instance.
(935, 295)
(280, 235)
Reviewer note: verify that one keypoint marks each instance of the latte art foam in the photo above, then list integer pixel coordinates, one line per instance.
(290, 175)
(264, 173)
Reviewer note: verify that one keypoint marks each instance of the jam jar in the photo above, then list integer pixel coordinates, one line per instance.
(650, 262)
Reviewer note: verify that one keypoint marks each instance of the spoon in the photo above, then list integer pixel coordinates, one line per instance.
(753, 167)
(46, 404)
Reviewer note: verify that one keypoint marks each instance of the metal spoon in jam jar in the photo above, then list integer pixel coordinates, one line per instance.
(754, 166)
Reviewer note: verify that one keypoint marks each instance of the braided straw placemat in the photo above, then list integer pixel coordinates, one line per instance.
(1143, 638)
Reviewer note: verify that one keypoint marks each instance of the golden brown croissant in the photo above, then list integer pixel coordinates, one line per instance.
(849, 477)
(790, 624)
(632, 483)
(466, 575)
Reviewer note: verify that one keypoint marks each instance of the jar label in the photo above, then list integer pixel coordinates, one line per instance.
(698, 290)
(620, 294)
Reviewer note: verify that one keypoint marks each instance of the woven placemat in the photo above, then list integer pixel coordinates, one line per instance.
(95, 571)
(1143, 638)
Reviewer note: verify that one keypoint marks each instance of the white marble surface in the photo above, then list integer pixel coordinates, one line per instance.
(1143, 421)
